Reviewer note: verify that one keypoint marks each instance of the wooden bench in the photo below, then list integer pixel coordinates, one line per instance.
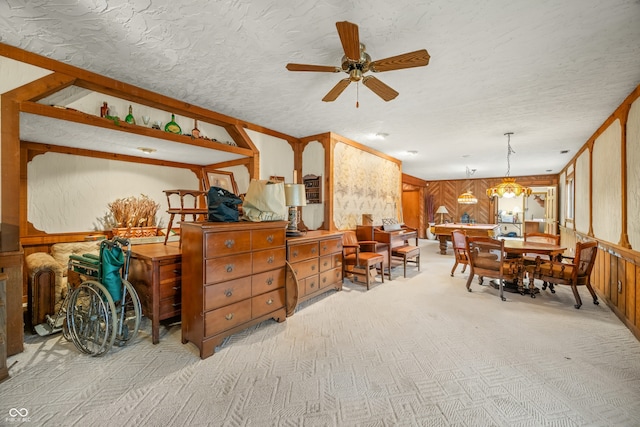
(408, 253)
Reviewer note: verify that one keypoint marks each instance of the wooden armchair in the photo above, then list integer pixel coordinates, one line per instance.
(191, 207)
(530, 259)
(487, 258)
(359, 256)
(459, 241)
(575, 273)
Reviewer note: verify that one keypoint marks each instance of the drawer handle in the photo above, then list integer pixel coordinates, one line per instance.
(270, 281)
(270, 238)
(313, 250)
(324, 248)
(312, 285)
(176, 270)
(176, 305)
(325, 264)
(313, 267)
(270, 260)
(229, 268)
(229, 243)
(176, 288)
(269, 301)
(229, 316)
(324, 280)
(228, 293)
(295, 253)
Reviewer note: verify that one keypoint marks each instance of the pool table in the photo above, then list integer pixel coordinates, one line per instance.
(443, 232)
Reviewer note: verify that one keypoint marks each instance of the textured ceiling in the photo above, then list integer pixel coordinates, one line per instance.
(550, 71)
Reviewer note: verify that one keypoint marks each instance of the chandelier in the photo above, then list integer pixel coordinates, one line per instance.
(468, 198)
(508, 188)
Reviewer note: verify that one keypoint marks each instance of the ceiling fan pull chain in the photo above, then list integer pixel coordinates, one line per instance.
(357, 95)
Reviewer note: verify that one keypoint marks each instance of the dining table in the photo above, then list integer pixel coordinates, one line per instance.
(515, 248)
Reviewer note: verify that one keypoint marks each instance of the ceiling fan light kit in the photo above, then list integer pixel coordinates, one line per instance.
(356, 62)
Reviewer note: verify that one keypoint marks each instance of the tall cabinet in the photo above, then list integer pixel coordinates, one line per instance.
(233, 277)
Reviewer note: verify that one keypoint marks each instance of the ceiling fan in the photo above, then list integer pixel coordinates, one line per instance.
(356, 62)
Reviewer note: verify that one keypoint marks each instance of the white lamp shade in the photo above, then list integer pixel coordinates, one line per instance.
(294, 195)
(442, 210)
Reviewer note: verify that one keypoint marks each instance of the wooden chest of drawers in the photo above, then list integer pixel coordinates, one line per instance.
(316, 259)
(155, 273)
(233, 276)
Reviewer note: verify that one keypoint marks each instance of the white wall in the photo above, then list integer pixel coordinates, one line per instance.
(67, 193)
(607, 184)
(276, 155)
(581, 193)
(313, 160)
(633, 175)
(14, 74)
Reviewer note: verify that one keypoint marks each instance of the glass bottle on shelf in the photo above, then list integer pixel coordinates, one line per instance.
(172, 126)
(104, 110)
(130, 119)
(195, 132)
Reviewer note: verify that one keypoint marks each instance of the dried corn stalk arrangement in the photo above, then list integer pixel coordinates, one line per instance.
(133, 211)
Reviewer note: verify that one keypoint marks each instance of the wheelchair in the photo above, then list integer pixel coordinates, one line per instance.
(101, 307)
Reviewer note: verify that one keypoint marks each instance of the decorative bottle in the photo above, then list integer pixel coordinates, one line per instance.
(195, 132)
(130, 119)
(104, 110)
(172, 126)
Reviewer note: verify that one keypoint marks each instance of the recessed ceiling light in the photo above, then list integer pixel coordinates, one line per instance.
(147, 150)
(564, 151)
(549, 170)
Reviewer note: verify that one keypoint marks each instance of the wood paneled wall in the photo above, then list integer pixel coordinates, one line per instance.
(446, 194)
(615, 278)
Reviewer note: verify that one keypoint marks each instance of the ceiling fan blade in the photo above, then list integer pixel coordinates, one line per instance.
(319, 68)
(350, 39)
(337, 90)
(379, 88)
(419, 58)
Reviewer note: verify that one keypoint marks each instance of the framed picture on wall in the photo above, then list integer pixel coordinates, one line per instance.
(274, 178)
(222, 179)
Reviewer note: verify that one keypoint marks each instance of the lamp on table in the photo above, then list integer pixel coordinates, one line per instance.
(294, 196)
(442, 211)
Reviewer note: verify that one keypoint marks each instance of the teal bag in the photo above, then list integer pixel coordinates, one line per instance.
(112, 262)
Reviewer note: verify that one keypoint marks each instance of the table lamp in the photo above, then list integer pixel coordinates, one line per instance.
(442, 210)
(294, 196)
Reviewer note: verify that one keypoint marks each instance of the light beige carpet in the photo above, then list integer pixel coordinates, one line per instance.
(420, 351)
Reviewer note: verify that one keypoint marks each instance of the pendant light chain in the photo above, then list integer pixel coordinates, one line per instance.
(509, 152)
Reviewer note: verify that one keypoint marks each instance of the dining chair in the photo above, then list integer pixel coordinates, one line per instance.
(530, 259)
(575, 273)
(358, 257)
(487, 258)
(459, 242)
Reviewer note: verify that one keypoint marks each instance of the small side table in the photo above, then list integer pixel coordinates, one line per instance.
(155, 271)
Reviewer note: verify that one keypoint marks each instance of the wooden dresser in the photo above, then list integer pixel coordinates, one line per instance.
(155, 273)
(316, 260)
(233, 277)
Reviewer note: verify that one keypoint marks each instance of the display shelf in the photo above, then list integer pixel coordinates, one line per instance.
(313, 188)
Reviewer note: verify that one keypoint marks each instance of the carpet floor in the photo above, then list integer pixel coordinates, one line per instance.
(415, 351)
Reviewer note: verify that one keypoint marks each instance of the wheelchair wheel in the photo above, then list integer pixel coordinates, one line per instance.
(129, 313)
(91, 317)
